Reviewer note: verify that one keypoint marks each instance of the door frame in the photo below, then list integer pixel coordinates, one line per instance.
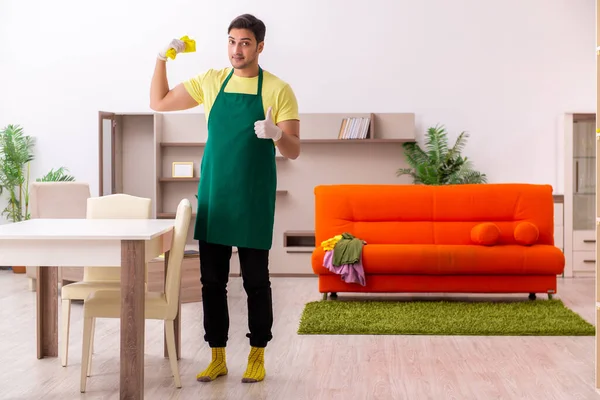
(102, 115)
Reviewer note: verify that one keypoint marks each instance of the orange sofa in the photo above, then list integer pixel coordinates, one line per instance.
(479, 238)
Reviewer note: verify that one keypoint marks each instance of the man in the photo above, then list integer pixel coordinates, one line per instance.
(249, 111)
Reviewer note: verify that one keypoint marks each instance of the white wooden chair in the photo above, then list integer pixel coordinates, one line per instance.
(159, 306)
(114, 206)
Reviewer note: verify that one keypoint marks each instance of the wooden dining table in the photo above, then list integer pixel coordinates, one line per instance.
(121, 243)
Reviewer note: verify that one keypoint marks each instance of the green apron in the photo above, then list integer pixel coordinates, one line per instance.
(238, 176)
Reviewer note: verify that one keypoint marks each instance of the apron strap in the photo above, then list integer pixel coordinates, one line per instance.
(260, 81)
(226, 81)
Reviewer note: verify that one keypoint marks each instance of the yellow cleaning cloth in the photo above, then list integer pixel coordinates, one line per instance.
(330, 243)
(190, 47)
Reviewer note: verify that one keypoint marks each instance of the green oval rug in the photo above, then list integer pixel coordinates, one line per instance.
(501, 318)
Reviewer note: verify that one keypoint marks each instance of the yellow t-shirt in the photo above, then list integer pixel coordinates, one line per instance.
(276, 93)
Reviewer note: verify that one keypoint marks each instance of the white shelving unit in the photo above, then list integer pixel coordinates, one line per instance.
(580, 195)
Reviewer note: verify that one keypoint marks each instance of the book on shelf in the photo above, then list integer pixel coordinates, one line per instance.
(354, 128)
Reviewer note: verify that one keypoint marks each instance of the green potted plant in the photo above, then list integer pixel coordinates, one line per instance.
(438, 164)
(16, 153)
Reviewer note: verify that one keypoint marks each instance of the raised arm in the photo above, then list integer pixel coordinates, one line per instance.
(161, 97)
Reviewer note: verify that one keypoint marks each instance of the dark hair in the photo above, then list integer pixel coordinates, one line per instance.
(250, 22)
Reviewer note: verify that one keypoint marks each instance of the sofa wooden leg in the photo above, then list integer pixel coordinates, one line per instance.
(325, 296)
(532, 296)
(333, 295)
(549, 296)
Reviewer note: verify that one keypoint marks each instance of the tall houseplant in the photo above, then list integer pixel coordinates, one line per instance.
(16, 153)
(438, 164)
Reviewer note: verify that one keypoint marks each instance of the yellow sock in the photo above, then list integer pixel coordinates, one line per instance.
(216, 368)
(256, 365)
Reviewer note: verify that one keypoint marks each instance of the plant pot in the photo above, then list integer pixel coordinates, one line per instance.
(19, 270)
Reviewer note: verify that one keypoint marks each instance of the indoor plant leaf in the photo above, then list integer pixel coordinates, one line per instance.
(436, 163)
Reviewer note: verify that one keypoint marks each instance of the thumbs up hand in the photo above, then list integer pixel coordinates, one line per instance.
(266, 129)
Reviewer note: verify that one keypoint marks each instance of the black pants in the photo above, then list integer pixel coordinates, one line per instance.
(214, 274)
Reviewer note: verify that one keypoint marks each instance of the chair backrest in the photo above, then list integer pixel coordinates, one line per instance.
(58, 199)
(115, 206)
(173, 280)
(119, 206)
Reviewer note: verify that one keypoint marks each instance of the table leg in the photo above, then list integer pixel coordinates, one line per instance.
(177, 321)
(47, 312)
(132, 319)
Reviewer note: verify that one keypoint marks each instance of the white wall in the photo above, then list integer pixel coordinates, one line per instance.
(504, 71)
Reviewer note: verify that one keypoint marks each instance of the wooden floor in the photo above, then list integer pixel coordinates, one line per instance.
(305, 367)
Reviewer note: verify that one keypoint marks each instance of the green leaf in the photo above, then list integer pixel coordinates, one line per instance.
(60, 175)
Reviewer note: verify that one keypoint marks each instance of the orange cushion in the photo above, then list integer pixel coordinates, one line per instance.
(526, 233)
(486, 233)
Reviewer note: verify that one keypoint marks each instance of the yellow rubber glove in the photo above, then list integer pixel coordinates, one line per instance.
(190, 47)
(176, 46)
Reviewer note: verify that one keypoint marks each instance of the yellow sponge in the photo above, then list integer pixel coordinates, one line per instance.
(190, 47)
